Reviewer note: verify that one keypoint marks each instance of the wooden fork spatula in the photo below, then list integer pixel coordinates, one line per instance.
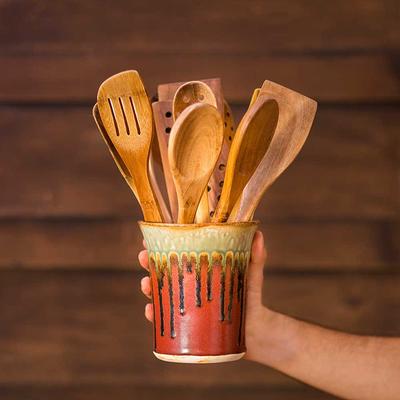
(127, 117)
(296, 115)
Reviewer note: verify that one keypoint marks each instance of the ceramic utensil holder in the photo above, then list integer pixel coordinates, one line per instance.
(198, 277)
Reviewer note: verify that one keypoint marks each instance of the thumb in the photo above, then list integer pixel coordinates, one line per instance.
(256, 267)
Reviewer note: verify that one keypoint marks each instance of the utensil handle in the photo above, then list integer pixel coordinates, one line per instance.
(203, 210)
(148, 201)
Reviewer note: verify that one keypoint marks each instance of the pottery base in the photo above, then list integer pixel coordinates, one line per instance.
(188, 359)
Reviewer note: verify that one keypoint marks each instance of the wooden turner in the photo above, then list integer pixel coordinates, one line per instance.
(127, 117)
(296, 115)
(251, 141)
(194, 148)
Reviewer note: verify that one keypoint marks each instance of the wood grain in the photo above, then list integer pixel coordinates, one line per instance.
(72, 77)
(166, 392)
(114, 244)
(347, 169)
(88, 327)
(156, 27)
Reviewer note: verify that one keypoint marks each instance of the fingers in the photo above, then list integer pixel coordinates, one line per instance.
(256, 267)
(144, 244)
(144, 259)
(145, 286)
(148, 312)
(145, 283)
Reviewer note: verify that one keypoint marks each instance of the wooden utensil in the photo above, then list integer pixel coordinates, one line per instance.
(162, 111)
(166, 92)
(190, 93)
(124, 170)
(251, 141)
(117, 159)
(165, 212)
(229, 124)
(254, 96)
(127, 117)
(194, 147)
(296, 115)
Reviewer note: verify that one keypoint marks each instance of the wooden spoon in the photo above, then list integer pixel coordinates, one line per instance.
(190, 93)
(127, 117)
(166, 92)
(296, 115)
(187, 94)
(251, 141)
(194, 147)
(124, 170)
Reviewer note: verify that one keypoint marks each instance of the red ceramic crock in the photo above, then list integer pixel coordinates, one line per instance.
(198, 277)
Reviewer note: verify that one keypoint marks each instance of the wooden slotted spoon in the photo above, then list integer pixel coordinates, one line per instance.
(194, 147)
(251, 141)
(296, 115)
(127, 117)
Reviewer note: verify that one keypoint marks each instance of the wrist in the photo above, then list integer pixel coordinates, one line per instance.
(273, 340)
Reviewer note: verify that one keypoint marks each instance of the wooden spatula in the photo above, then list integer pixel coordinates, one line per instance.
(127, 117)
(124, 170)
(296, 115)
(194, 147)
(251, 141)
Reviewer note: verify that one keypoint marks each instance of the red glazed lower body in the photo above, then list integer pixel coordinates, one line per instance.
(199, 310)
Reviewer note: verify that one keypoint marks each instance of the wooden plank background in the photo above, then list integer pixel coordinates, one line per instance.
(71, 322)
